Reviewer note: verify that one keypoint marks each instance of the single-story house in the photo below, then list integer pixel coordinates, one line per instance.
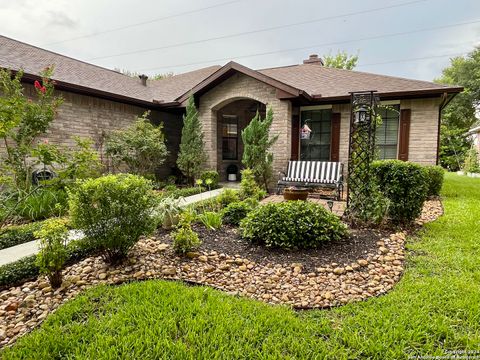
(99, 100)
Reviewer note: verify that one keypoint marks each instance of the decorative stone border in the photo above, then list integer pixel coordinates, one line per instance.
(25, 307)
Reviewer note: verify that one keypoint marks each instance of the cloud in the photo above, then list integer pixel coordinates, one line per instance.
(57, 18)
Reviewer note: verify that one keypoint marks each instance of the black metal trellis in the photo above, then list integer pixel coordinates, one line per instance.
(361, 149)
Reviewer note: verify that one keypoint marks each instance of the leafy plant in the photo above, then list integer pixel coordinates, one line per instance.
(210, 179)
(237, 211)
(248, 186)
(227, 196)
(211, 220)
(405, 185)
(22, 121)
(140, 147)
(435, 176)
(53, 252)
(167, 212)
(43, 203)
(113, 211)
(257, 143)
(341, 60)
(292, 224)
(192, 154)
(184, 238)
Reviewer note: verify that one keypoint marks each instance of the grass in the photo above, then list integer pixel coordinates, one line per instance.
(433, 310)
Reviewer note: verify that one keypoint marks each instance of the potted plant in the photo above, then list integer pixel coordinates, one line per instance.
(168, 211)
(295, 193)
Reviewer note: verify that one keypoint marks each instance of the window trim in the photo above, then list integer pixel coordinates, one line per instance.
(395, 103)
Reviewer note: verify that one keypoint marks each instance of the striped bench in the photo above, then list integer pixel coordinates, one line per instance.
(313, 174)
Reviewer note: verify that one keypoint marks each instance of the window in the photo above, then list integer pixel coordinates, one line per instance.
(315, 128)
(229, 137)
(387, 133)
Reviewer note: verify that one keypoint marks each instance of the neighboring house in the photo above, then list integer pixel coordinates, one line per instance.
(474, 134)
(98, 100)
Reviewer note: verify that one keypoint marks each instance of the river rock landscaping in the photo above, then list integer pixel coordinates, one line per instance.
(319, 282)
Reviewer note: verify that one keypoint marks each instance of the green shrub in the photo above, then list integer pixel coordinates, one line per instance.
(472, 162)
(113, 211)
(249, 188)
(405, 185)
(211, 220)
(18, 234)
(210, 179)
(184, 238)
(43, 203)
(292, 224)
(434, 179)
(227, 196)
(202, 206)
(53, 252)
(237, 211)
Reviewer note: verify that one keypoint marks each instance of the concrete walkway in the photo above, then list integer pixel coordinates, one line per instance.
(17, 252)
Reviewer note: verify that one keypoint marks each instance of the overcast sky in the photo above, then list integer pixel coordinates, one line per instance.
(154, 32)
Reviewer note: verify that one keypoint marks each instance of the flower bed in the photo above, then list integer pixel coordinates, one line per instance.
(318, 283)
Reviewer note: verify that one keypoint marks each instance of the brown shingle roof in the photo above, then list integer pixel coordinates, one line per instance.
(309, 80)
(330, 82)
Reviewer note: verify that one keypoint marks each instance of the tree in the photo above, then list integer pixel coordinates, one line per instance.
(192, 153)
(341, 61)
(141, 147)
(459, 115)
(257, 144)
(22, 120)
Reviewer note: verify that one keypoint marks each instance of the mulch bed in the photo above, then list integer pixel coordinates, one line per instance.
(227, 240)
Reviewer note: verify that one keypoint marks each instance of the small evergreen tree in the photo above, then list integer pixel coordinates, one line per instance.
(257, 143)
(192, 153)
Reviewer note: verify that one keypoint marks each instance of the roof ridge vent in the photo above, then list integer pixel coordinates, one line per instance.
(143, 79)
(314, 59)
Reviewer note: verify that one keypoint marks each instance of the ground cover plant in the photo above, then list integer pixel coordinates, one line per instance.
(431, 311)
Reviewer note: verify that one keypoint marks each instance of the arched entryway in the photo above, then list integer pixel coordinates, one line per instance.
(232, 118)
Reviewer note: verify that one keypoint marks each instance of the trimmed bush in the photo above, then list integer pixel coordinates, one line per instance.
(227, 196)
(237, 211)
(405, 185)
(53, 252)
(210, 179)
(249, 187)
(113, 211)
(184, 238)
(435, 179)
(18, 234)
(292, 224)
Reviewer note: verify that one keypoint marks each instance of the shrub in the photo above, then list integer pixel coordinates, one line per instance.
(211, 220)
(405, 185)
(113, 211)
(226, 197)
(184, 238)
(53, 251)
(43, 203)
(202, 206)
(248, 186)
(434, 179)
(292, 224)
(18, 234)
(140, 147)
(173, 192)
(257, 144)
(237, 211)
(210, 179)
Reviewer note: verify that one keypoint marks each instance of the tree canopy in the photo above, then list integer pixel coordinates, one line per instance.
(341, 60)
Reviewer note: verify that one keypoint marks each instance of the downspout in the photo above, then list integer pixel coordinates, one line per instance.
(445, 100)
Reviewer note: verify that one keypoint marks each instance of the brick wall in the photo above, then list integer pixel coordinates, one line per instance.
(91, 117)
(238, 87)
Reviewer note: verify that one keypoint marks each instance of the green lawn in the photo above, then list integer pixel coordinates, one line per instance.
(435, 308)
